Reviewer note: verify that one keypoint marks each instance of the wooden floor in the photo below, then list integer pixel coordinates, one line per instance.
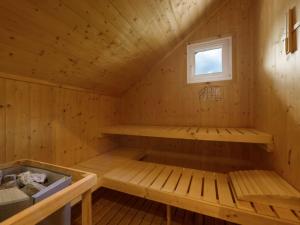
(116, 208)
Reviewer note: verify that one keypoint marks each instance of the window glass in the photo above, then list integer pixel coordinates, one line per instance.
(209, 61)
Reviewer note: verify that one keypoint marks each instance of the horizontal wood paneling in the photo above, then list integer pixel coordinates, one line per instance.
(277, 87)
(52, 124)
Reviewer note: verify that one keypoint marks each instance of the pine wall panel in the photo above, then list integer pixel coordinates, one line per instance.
(52, 124)
(163, 97)
(277, 87)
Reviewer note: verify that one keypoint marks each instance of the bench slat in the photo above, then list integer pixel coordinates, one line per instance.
(173, 180)
(138, 178)
(162, 178)
(196, 185)
(209, 193)
(225, 196)
(147, 181)
(184, 182)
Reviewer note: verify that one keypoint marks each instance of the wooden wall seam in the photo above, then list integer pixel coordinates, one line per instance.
(52, 124)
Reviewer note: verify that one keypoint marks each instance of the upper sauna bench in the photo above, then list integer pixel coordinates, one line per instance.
(243, 135)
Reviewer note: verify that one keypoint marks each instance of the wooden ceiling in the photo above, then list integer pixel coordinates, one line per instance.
(104, 45)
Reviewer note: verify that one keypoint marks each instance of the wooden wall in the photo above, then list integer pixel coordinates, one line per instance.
(52, 124)
(203, 155)
(164, 97)
(277, 87)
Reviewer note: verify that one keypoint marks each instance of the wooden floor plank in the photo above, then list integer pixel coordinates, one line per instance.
(114, 208)
(132, 212)
(160, 215)
(123, 211)
(141, 214)
(150, 214)
(101, 213)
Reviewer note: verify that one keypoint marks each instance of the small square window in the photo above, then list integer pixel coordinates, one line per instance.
(209, 61)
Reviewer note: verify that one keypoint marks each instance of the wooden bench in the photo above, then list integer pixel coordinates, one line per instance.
(108, 161)
(242, 135)
(204, 192)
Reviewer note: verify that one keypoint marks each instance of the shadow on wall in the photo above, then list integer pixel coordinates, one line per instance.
(277, 88)
(204, 155)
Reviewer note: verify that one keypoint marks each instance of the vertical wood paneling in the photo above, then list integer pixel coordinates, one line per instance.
(2, 120)
(277, 87)
(164, 97)
(41, 123)
(17, 127)
(52, 124)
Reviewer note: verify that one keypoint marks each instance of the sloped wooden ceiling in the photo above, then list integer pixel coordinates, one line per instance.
(96, 44)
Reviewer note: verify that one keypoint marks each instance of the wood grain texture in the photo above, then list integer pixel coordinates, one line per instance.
(2, 121)
(179, 190)
(52, 124)
(205, 155)
(264, 186)
(244, 135)
(115, 208)
(104, 45)
(163, 96)
(277, 88)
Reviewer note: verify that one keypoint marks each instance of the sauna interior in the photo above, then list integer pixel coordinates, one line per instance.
(187, 111)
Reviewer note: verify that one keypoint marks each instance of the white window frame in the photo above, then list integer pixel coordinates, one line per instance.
(226, 74)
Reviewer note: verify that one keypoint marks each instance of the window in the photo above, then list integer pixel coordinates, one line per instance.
(209, 61)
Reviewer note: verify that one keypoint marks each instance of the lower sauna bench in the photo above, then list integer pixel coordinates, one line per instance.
(207, 193)
(108, 161)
